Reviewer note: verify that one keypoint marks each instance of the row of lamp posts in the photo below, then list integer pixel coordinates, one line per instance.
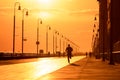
(99, 41)
(62, 39)
(24, 11)
(103, 40)
(55, 33)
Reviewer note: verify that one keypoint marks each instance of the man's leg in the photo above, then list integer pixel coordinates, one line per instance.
(70, 56)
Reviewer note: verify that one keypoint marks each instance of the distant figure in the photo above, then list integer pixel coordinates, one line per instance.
(86, 54)
(90, 54)
(69, 52)
(49, 53)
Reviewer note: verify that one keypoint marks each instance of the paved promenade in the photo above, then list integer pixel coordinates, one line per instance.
(86, 69)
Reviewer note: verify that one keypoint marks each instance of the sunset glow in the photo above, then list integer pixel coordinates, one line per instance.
(72, 18)
(45, 3)
(45, 15)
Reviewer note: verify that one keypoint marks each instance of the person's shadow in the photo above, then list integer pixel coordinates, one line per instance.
(73, 64)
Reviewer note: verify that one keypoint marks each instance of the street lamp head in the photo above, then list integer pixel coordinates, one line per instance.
(26, 13)
(96, 34)
(98, 30)
(41, 22)
(49, 28)
(94, 25)
(95, 19)
(19, 7)
(58, 33)
(55, 32)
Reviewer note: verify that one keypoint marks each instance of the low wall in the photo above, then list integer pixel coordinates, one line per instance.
(116, 56)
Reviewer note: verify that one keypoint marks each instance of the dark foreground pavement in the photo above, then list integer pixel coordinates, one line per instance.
(86, 69)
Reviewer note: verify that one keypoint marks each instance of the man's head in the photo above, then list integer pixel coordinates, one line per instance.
(69, 45)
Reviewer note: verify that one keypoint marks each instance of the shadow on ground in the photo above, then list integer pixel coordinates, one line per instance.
(73, 64)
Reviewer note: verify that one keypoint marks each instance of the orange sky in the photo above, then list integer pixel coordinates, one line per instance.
(72, 18)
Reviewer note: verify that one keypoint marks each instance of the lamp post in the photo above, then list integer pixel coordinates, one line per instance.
(55, 33)
(63, 43)
(37, 42)
(60, 41)
(111, 62)
(99, 40)
(26, 13)
(56, 46)
(14, 26)
(53, 42)
(47, 28)
(92, 42)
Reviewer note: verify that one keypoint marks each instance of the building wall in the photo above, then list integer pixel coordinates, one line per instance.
(113, 28)
(115, 22)
(103, 25)
(109, 15)
(109, 25)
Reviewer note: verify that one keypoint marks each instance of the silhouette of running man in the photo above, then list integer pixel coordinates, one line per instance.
(69, 50)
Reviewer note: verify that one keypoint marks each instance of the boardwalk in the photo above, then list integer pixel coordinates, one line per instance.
(32, 70)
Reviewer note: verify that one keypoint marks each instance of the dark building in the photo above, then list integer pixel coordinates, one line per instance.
(115, 22)
(103, 27)
(109, 27)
